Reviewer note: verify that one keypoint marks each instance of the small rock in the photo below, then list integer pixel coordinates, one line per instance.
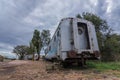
(49, 67)
(96, 71)
(105, 76)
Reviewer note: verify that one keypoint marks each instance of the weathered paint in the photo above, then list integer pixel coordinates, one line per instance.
(71, 40)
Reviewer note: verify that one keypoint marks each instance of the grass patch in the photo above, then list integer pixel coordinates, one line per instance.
(103, 65)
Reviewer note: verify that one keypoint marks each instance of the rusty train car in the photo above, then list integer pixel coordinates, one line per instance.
(73, 41)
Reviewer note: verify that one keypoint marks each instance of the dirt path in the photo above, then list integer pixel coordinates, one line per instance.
(13, 63)
(29, 70)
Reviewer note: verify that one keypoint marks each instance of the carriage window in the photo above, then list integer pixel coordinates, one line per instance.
(58, 34)
(81, 27)
(49, 48)
(80, 30)
(55, 38)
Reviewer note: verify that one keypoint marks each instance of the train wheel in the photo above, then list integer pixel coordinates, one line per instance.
(82, 63)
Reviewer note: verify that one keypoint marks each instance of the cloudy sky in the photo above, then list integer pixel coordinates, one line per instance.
(19, 18)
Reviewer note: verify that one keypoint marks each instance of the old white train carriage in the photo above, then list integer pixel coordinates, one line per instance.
(73, 41)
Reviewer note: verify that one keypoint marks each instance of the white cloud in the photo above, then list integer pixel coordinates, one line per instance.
(109, 6)
(8, 47)
(33, 22)
(19, 18)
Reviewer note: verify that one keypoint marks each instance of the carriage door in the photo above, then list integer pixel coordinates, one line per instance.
(83, 36)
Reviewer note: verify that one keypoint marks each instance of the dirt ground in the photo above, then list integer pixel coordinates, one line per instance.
(39, 70)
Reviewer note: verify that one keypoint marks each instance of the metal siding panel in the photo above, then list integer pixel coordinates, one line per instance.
(95, 47)
(65, 35)
(79, 40)
(90, 35)
(75, 31)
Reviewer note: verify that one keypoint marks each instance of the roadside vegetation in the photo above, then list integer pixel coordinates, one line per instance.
(103, 66)
(98, 67)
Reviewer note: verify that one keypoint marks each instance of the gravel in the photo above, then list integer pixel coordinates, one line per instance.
(36, 70)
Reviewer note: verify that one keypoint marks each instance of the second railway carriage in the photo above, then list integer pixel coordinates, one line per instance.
(73, 41)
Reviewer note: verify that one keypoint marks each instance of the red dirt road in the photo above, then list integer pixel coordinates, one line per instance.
(36, 70)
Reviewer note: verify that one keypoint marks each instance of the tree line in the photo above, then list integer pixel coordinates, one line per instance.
(109, 42)
(38, 41)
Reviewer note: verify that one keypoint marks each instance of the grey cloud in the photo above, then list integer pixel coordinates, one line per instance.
(19, 18)
(114, 16)
(13, 30)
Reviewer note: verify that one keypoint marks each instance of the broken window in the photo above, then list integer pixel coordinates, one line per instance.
(81, 27)
(58, 34)
(55, 38)
(80, 30)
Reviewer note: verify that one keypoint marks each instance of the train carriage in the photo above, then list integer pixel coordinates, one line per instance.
(73, 41)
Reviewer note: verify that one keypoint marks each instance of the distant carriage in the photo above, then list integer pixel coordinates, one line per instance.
(73, 41)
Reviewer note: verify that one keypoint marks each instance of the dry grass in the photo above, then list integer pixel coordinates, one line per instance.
(36, 70)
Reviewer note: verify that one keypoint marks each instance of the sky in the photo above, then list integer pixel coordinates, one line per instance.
(19, 18)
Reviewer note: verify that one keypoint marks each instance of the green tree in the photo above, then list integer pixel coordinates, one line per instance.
(112, 48)
(37, 43)
(21, 51)
(78, 16)
(32, 50)
(45, 37)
